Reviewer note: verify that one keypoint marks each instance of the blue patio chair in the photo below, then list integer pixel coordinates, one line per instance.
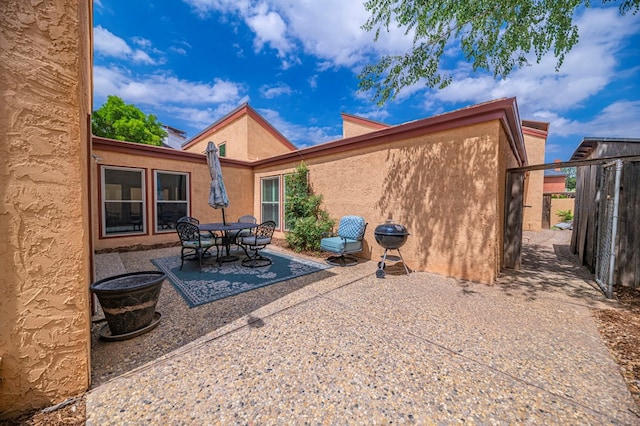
(349, 239)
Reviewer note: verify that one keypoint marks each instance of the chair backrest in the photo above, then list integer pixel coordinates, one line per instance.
(247, 219)
(187, 231)
(352, 227)
(189, 219)
(265, 229)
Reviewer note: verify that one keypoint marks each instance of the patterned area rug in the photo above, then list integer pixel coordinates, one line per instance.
(212, 282)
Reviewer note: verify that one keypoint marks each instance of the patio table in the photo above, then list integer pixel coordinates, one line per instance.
(226, 227)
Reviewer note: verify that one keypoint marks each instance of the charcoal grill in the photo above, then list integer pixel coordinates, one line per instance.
(391, 236)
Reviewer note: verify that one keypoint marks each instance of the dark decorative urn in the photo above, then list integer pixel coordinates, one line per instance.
(129, 302)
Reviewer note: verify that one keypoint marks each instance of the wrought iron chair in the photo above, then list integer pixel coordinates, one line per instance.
(235, 235)
(348, 239)
(194, 221)
(194, 243)
(255, 242)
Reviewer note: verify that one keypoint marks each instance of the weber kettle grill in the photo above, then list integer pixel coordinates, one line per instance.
(391, 236)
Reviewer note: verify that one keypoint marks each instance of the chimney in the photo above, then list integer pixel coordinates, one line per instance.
(557, 168)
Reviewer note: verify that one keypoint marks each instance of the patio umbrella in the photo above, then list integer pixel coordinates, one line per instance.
(218, 195)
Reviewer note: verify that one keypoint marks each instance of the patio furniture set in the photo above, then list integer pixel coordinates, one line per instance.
(198, 239)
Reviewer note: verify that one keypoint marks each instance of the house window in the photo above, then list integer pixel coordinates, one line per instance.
(123, 206)
(222, 149)
(271, 199)
(172, 199)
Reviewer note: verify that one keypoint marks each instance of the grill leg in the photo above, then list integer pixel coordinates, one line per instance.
(380, 272)
(403, 262)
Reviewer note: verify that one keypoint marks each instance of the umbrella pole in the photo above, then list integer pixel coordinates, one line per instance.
(224, 219)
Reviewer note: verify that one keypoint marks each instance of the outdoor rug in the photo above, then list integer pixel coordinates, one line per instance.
(213, 282)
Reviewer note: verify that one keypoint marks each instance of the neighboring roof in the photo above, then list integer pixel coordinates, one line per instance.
(554, 172)
(242, 110)
(589, 143)
(538, 125)
(364, 121)
(175, 131)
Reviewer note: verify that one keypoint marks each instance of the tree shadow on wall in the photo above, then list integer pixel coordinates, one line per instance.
(445, 193)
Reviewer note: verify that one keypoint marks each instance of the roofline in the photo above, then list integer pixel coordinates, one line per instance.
(134, 148)
(588, 144)
(505, 110)
(244, 109)
(534, 132)
(363, 120)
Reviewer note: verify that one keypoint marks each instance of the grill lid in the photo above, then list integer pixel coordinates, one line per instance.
(390, 228)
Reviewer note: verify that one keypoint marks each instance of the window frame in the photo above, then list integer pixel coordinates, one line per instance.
(156, 172)
(104, 201)
(222, 149)
(277, 203)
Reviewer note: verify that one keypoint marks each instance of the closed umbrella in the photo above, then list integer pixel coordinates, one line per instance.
(218, 195)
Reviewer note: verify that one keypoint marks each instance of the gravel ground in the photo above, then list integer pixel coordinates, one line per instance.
(346, 347)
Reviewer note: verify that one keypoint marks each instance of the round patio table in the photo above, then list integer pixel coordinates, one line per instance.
(226, 227)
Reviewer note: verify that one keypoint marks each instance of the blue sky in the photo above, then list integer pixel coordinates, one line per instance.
(190, 62)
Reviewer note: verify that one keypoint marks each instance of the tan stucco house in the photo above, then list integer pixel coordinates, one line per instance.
(65, 194)
(442, 177)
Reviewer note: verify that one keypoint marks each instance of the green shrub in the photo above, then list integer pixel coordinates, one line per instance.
(306, 220)
(565, 215)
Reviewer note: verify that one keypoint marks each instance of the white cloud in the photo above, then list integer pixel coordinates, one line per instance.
(330, 30)
(108, 44)
(588, 68)
(270, 29)
(168, 93)
(303, 135)
(279, 89)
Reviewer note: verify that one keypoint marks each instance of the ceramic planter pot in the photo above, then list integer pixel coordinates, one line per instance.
(129, 300)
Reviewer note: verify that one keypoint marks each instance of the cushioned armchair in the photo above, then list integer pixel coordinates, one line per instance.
(194, 243)
(256, 242)
(348, 239)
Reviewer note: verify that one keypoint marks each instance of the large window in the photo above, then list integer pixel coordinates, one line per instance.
(172, 199)
(123, 205)
(271, 199)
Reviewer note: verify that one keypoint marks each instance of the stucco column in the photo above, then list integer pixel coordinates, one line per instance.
(44, 221)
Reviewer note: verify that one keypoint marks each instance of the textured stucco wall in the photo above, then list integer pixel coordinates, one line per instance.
(532, 220)
(238, 181)
(558, 204)
(262, 143)
(44, 209)
(350, 128)
(233, 133)
(444, 187)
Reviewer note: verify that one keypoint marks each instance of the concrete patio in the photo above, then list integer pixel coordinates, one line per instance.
(346, 348)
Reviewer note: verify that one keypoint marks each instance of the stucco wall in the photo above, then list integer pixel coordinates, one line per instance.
(351, 128)
(262, 143)
(44, 232)
(234, 133)
(245, 137)
(444, 187)
(238, 181)
(558, 204)
(532, 218)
